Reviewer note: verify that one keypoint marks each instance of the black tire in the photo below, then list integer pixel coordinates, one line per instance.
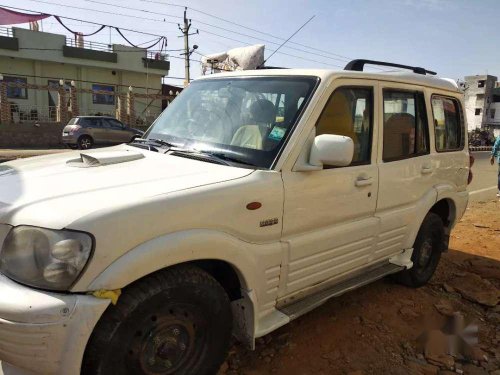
(176, 321)
(427, 251)
(85, 142)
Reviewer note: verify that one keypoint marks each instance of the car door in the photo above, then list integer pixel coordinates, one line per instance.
(405, 165)
(329, 226)
(120, 133)
(95, 129)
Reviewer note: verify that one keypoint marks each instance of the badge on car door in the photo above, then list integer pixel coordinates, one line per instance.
(268, 222)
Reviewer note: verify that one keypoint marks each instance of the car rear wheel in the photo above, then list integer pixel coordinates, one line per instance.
(85, 142)
(176, 321)
(427, 251)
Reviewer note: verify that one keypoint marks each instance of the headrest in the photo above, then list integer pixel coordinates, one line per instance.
(263, 111)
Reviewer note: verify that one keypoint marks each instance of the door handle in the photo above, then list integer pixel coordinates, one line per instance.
(426, 170)
(363, 181)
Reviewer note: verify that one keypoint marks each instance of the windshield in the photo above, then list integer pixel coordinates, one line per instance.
(247, 118)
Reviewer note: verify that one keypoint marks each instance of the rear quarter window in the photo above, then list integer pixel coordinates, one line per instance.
(448, 123)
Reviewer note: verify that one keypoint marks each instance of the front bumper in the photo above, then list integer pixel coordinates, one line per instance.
(69, 139)
(44, 332)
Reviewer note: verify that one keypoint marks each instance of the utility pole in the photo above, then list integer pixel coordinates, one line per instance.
(187, 52)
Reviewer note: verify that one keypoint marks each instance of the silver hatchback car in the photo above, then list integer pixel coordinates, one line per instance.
(85, 131)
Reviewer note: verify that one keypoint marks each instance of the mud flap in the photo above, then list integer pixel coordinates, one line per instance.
(403, 259)
(243, 320)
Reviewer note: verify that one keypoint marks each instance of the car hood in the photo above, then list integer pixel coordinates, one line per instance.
(55, 190)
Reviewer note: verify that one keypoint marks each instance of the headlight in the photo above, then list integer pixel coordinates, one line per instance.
(44, 258)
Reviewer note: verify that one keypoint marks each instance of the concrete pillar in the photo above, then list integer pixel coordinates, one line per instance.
(131, 107)
(75, 107)
(122, 107)
(62, 106)
(4, 103)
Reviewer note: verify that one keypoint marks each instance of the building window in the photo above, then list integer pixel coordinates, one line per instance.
(478, 111)
(405, 125)
(349, 112)
(492, 113)
(102, 98)
(448, 124)
(481, 83)
(16, 92)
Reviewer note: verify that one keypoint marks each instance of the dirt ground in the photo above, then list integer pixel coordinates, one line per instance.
(377, 329)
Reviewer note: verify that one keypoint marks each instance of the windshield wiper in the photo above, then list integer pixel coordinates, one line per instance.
(148, 141)
(226, 157)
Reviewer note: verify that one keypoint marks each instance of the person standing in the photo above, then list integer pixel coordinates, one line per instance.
(495, 152)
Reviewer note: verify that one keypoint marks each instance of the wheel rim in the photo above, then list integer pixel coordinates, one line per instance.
(85, 142)
(425, 253)
(167, 343)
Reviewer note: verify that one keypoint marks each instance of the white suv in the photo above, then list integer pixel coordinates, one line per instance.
(255, 197)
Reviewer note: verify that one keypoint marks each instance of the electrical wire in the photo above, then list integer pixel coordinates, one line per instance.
(90, 22)
(81, 80)
(346, 59)
(245, 27)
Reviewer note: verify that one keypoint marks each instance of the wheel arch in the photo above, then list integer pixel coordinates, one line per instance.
(447, 211)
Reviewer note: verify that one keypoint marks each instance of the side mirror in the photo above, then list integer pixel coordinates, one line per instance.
(329, 149)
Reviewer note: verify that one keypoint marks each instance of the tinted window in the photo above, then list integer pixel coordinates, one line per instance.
(90, 122)
(405, 125)
(349, 112)
(448, 124)
(115, 124)
(16, 92)
(102, 96)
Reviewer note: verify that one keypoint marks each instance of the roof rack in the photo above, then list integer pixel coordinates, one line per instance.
(357, 65)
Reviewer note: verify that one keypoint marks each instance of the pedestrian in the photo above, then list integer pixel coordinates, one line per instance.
(495, 152)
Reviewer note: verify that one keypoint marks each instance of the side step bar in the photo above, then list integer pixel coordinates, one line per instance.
(307, 304)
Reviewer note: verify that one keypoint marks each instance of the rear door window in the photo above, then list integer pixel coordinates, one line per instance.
(448, 124)
(95, 122)
(405, 125)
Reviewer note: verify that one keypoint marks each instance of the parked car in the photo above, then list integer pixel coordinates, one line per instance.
(83, 132)
(255, 197)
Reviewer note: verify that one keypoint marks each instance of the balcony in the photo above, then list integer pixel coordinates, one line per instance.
(156, 61)
(82, 49)
(7, 40)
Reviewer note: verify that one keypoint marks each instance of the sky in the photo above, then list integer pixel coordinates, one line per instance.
(453, 37)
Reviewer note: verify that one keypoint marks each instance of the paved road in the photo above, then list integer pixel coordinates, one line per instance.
(484, 183)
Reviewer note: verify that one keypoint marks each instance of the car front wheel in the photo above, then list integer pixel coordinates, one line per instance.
(176, 321)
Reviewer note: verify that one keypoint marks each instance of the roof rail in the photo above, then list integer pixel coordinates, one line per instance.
(357, 65)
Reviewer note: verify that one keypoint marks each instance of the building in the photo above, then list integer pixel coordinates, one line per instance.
(482, 102)
(101, 72)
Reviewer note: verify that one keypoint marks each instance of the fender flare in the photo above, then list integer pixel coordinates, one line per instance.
(176, 248)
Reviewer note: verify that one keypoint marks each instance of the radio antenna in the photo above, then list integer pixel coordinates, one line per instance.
(282, 44)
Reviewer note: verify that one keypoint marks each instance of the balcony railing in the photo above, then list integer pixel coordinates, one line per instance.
(6, 31)
(157, 56)
(88, 44)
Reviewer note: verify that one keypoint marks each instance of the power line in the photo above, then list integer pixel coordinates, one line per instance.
(80, 20)
(246, 27)
(136, 9)
(81, 80)
(221, 28)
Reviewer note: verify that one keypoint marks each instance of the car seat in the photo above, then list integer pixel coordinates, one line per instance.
(263, 113)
